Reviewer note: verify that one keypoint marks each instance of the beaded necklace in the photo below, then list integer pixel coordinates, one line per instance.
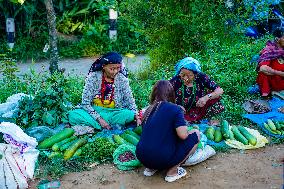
(103, 89)
(192, 95)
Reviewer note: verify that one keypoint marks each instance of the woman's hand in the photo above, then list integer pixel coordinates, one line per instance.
(138, 120)
(104, 124)
(202, 101)
(197, 132)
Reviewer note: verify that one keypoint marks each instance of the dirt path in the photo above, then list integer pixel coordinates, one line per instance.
(82, 65)
(251, 169)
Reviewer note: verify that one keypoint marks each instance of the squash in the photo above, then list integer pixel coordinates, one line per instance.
(231, 135)
(210, 133)
(238, 136)
(73, 148)
(218, 135)
(132, 133)
(54, 154)
(78, 153)
(56, 146)
(66, 145)
(252, 139)
(138, 130)
(225, 129)
(266, 126)
(47, 143)
(129, 138)
(271, 124)
(120, 140)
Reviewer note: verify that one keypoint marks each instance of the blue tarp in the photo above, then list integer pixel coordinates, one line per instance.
(259, 119)
(216, 145)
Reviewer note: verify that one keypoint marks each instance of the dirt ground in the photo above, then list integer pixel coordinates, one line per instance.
(251, 169)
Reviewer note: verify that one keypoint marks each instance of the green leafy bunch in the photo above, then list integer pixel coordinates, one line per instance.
(49, 105)
(100, 150)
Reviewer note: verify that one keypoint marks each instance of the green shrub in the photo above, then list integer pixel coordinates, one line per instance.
(49, 105)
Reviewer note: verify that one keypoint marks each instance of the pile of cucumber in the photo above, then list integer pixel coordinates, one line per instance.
(224, 132)
(63, 143)
(129, 137)
(274, 127)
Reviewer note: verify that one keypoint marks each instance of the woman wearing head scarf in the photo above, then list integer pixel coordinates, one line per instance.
(107, 98)
(195, 91)
(271, 66)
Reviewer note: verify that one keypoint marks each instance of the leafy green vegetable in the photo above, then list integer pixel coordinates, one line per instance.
(98, 151)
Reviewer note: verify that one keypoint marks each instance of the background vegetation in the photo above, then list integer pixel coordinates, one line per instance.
(82, 26)
(166, 30)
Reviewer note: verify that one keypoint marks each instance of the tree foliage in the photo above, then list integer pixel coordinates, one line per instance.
(176, 28)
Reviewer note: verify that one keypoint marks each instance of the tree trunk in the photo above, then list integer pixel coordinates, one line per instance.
(51, 20)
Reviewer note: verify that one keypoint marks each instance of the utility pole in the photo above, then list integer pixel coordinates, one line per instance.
(113, 24)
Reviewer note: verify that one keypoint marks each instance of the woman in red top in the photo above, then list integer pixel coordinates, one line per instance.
(271, 66)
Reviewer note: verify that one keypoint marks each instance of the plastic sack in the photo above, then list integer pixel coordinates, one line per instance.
(200, 155)
(13, 174)
(40, 132)
(124, 157)
(24, 144)
(261, 141)
(8, 109)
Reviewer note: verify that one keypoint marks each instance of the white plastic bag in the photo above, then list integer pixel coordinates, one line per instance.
(12, 166)
(24, 144)
(8, 109)
(200, 155)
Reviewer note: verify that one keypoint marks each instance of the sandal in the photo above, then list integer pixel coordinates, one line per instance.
(181, 172)
(149, 172)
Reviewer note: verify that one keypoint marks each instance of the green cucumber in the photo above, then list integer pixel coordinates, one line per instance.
(65, 146)
(120, 140)
(57, 145)
(47, 143)
(252, 139)
(231, 135)
(129, 138)
(132, 133)
(225, 129)
(138, 130)
(271, 124)
(218, 135)
(266, 126)
(78, 153)
(277, 125)
(210, 133)
(73, 148)
(54, 154)
(238, 136)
